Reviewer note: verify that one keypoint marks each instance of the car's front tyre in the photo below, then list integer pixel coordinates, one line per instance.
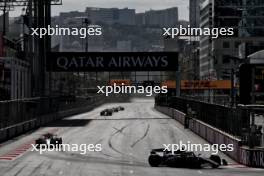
(216, 159)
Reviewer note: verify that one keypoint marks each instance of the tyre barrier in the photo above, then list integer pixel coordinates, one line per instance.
(242, 155)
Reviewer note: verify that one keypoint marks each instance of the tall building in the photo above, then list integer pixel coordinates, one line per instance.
(162, 18)
(112, 15)
(124, 46)
(140, 19)
(191, 59)
(194, 13)
(218, 56)
(206, 41)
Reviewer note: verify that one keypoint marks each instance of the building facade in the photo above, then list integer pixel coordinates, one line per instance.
(194, 13)
(15, 78)
(162, 18)
(246, 17)
(112, 15)
(206, 41)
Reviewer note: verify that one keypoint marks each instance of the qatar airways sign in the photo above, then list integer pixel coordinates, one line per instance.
(111, 61)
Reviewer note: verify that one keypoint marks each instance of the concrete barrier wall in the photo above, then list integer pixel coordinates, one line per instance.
(215, 136)
(249, 157)
(21, 128)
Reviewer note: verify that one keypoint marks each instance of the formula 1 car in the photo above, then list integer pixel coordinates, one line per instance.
(106, 112)
(121, 108)
(48, 139)
(183, 159)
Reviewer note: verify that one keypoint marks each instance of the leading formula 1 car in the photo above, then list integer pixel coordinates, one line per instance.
(48, 139)
(106, 112)
(183, 159)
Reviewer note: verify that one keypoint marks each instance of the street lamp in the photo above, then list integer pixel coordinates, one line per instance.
(86, 22)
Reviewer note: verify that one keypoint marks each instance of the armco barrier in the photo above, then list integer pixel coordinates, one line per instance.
(249, 157)
(177, 115)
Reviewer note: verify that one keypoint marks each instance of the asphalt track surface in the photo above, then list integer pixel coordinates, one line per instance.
(126, 137)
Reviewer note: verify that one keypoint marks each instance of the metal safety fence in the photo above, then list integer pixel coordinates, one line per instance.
(230, 120)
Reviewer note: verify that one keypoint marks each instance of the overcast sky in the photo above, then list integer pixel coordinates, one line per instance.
(139, 5)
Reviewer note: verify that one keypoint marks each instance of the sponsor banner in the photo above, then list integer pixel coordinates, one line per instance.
(120, 82)
(204, 84)
(251, 157)
(199, 84)
(111, 61)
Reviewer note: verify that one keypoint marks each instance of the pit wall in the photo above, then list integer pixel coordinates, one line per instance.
(243, 155)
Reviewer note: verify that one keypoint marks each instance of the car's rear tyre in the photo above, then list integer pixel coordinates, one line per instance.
(39, 142)
(154, 160)
(216, 159)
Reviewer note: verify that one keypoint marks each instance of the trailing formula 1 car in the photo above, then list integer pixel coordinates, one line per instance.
(106, 112)
(48, 139)
(183, 159)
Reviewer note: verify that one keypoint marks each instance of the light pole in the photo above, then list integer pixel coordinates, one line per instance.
(86, 22)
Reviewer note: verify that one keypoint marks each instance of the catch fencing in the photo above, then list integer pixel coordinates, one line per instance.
(230, 120)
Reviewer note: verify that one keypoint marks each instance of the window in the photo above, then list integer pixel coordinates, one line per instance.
(226, 59)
